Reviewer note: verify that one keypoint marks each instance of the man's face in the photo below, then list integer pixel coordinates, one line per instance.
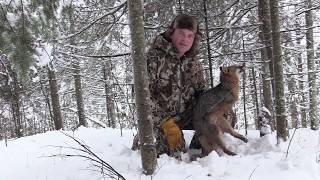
(182, 40)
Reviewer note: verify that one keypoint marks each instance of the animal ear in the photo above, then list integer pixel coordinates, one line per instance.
(223, 69)
(243, 66)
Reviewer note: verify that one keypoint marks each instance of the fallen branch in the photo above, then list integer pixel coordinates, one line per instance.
(290, 142)
(253, 172)
(99, 165)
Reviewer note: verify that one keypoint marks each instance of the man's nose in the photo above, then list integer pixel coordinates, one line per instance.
(185, 39)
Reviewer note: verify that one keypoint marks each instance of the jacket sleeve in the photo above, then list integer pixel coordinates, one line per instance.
(153, 66)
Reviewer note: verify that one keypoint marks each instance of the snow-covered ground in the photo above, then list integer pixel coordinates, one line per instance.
(261, 159)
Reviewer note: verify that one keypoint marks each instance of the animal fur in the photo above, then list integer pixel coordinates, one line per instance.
(209, 118)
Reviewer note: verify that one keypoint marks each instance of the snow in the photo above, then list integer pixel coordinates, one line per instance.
(261, 159)
(44, 51)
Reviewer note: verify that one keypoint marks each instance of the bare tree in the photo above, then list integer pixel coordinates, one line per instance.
(282, 132)
(141, 86)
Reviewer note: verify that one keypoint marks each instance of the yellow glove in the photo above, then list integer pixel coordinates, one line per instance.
(173, 135)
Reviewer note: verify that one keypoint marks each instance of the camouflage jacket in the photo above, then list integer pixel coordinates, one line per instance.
(173, 82)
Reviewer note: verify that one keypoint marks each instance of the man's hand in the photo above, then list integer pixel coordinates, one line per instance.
(173, 135)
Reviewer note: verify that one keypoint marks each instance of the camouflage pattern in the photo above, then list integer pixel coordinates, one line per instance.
(173, 83)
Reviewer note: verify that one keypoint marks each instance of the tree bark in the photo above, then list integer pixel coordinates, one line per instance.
(244, 102)
(15, 104)
(266, 55)
(57, 117)
(76, 75)
(255, 97)
(109, 97)
(141, 86)
(282, 132)
(292, 99)
(79, 98)
(312, 78)
(302, 101)
(208, 42)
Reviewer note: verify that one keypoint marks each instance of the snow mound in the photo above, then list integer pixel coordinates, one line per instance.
(29, 158)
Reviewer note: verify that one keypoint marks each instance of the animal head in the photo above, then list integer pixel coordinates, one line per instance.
(232, 72)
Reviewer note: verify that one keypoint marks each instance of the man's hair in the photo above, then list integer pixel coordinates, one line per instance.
(185, 22)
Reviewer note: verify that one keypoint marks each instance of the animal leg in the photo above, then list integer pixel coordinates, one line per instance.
(219, 142)
(226, 127)
(206, 146)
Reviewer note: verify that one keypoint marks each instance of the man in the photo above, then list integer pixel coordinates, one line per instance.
(175, 77)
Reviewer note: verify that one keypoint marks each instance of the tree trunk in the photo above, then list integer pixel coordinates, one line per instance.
(109, 97)
(76, 75)
(208, 42)
(266, 55)
(302, 102)
(291, 83)
(244, 101)
(47, 99)
(292, 99)
(141, 85)
(255, 97)
(79, 98)
(57, 117)
(312, 78)
(15, 104)
(282, 132)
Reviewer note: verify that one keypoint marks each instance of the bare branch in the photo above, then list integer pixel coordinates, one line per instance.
(97, 162)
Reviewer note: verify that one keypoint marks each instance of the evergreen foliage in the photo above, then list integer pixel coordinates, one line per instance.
(22, 53)
(22, 25)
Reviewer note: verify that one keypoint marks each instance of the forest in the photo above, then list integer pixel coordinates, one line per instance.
(66, 64)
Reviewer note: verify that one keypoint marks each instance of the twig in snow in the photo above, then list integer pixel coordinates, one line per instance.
(290, 142)
(253, 172)
(98, 164)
